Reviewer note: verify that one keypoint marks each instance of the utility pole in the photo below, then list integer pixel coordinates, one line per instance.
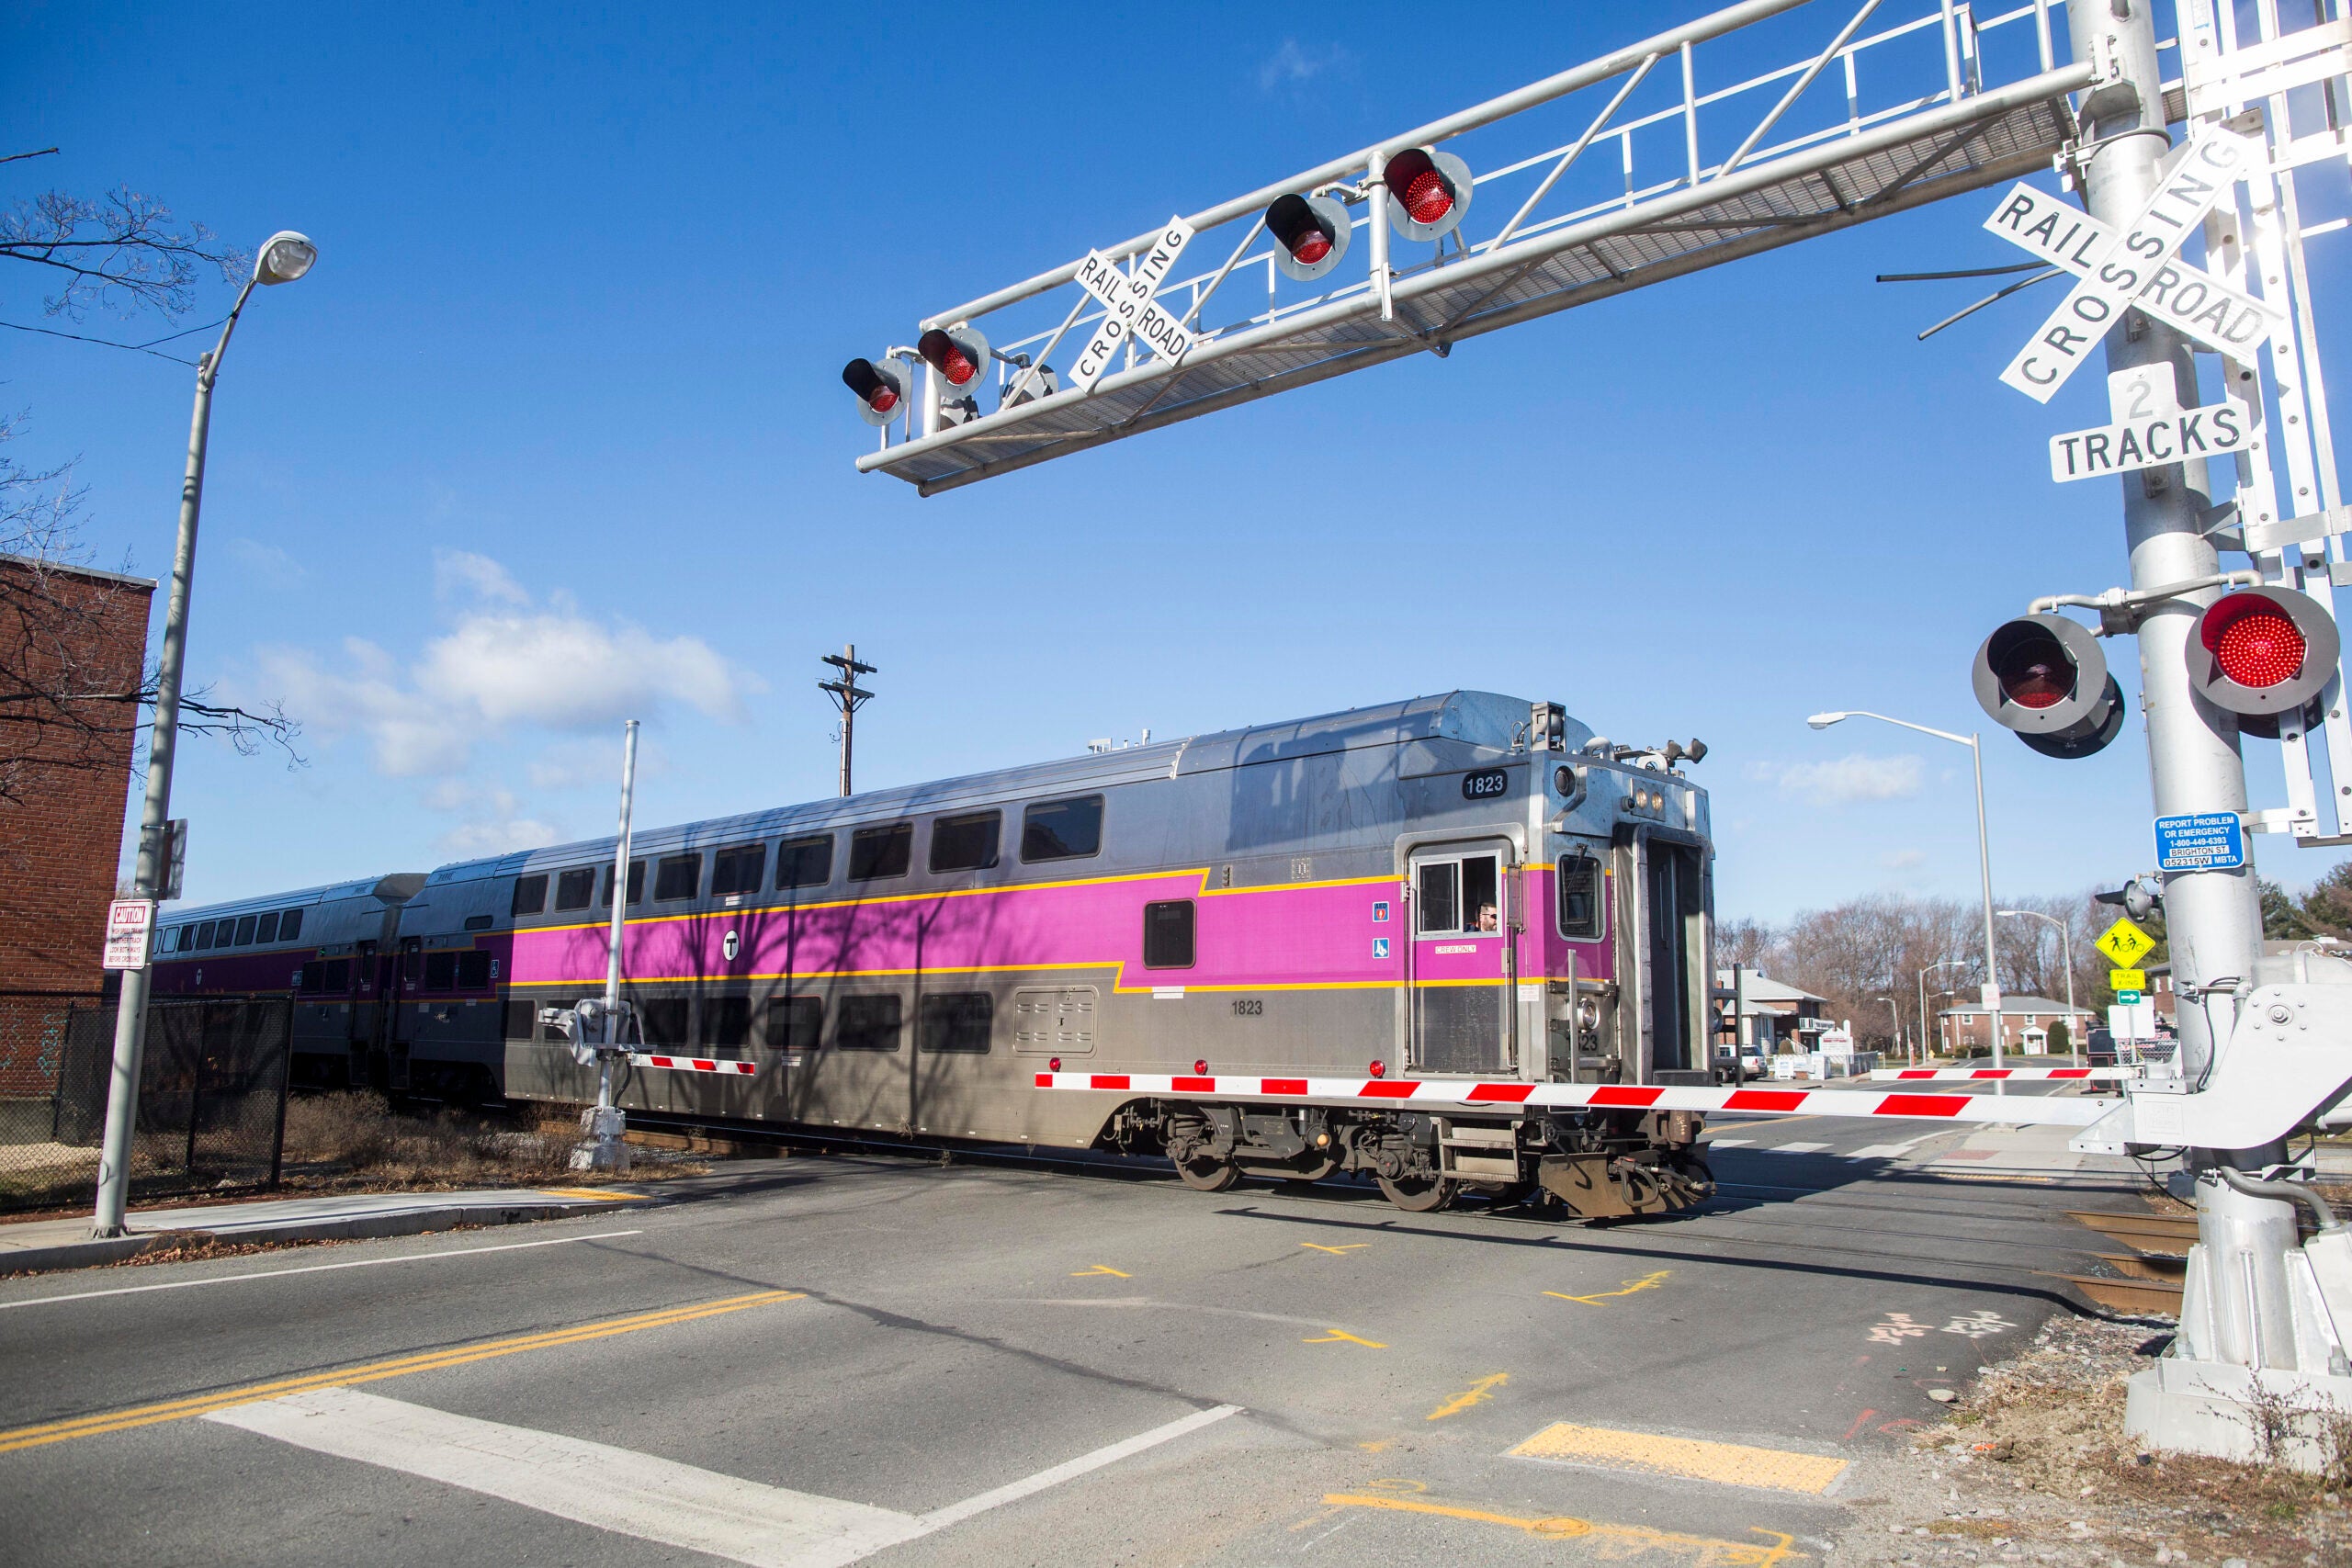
(2214, 916)
(847, 697)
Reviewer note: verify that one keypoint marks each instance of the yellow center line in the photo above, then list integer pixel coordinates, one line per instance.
(373, 1372)
(1100, 1269)
(1342, 1251)
(1341, 1336)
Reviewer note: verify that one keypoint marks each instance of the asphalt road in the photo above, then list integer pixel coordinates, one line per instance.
(834, 1359)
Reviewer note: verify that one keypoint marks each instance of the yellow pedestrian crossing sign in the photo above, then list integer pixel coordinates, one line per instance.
(2126, 943)
(2127, 979)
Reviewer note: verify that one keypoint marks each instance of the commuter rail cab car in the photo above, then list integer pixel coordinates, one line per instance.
(1086, 952)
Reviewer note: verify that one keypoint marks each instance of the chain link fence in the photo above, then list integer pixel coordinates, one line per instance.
(211, 1100)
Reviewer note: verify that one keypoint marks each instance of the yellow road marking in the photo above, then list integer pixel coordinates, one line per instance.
(1100, 1269)
(1733, 1464)
(602, 1196)
(1631, 1286)
(1378, 1445)
(1351, 1247)
(1341, 1336)
(1477, 1394)
(1626, 1540)
(374, 1372)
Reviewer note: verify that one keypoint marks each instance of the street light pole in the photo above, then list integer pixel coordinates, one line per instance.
(1895, 1015)
(1983, 860)
(284, 257)
(1938, 964)
(2066, 949)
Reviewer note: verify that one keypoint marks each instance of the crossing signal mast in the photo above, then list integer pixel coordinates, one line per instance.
(1624, 171)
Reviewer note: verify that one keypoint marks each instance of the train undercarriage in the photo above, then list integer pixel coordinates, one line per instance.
(1594, 1164)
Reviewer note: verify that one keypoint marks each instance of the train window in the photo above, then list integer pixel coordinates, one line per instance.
(965, 843)
(441, 971)
(635, 884)
(795, 1023)
(245, 929)
(314, 977)
(738, 870)
(957, 1021)
(877, 852)
(187, 937)
(1062, 829)
(867, 1024)
(1168, 934)
(676, 876)
(204, 936)
(575, 888)
(726, 1022)
(479, 922)
(474, 971)
(1578, 879)
(267, 930)
(530, 895)
(1457, 897)
(664, 1020)
(289, 925)
(805, 863)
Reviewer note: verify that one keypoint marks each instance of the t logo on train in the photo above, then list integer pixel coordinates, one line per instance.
(1181, 949)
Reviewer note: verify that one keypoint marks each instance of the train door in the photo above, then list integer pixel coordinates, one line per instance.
(1459, 960)
(1672, 936)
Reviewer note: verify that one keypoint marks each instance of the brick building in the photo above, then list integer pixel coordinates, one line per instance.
(72, 647)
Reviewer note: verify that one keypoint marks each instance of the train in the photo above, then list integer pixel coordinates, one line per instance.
(1084, 953)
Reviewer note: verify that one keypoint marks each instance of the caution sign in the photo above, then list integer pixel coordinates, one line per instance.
(2125, 944)
(2127, 979)
(131, 925)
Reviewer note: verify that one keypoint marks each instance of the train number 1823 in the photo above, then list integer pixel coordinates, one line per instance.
(1487, 783)
(1247, 1007)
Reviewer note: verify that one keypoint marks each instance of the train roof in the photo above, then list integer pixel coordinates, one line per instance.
(1479, 721)
(397, 888)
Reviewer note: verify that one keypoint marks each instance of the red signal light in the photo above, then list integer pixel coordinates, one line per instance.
(2033, 670)
(1052, 1063)
(958, 354)
(2263, 651)
(2257, 647)
(1379, 1068)
(1312, 247)
(1313, 233)
(2044, 677)
(1201, 1068)
(1429, 192)
(879, 387)
(1427, 198)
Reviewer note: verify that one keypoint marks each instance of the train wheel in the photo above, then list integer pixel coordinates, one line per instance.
(1416, 1195)
(1206, 1173)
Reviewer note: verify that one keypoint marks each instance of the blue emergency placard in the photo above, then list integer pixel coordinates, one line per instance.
(2201, 841)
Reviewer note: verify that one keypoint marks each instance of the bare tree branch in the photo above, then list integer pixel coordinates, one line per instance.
(123, 251)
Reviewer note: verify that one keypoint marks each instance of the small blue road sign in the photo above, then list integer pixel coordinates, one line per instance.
(1380, 947)
(2201, 841)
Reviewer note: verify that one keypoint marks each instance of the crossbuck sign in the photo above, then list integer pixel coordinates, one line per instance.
(1129, 313)
(2136, 268)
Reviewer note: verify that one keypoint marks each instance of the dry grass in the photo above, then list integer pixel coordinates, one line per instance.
(2034, 1465)
(355, 1138)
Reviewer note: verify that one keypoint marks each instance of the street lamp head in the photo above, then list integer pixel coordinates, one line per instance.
(285, 257)
(1823, 720)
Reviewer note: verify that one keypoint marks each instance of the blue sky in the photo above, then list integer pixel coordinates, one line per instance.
(554, 433)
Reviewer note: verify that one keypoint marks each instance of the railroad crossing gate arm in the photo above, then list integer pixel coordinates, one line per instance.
(2290, 1059)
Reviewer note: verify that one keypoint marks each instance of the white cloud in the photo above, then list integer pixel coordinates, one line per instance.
(505, 665)
(493, 824)
(1290, 64)
(457, 573)
(1846, 780)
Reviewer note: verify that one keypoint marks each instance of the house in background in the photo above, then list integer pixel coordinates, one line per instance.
(1774, 1016)
(2025, 1026)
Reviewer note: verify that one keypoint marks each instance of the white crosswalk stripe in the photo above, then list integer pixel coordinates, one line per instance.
(1800, 1149)
(634, 1493)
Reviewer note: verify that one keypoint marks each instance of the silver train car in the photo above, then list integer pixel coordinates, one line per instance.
(1464, 886)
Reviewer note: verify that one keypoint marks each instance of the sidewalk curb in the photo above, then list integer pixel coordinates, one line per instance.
(361, 1227)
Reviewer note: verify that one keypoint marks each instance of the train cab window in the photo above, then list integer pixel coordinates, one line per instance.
(958, 1021)
(474, 971)
(530, 895)
(726, 1022)
(441, 971)
(738, 870)
(965, 843)
(289, 925)
(795, 1023)
(1062, 829)
(267, 930)
(805, 863)
(245, 929)
(575, 888)
(868, 1023)
(877, 852)
(636, 885)
(479, 922)
(1454, 897)
(203, 936)
(676, 876)
(337, 981)
(1578, 877)
(1168, 934)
